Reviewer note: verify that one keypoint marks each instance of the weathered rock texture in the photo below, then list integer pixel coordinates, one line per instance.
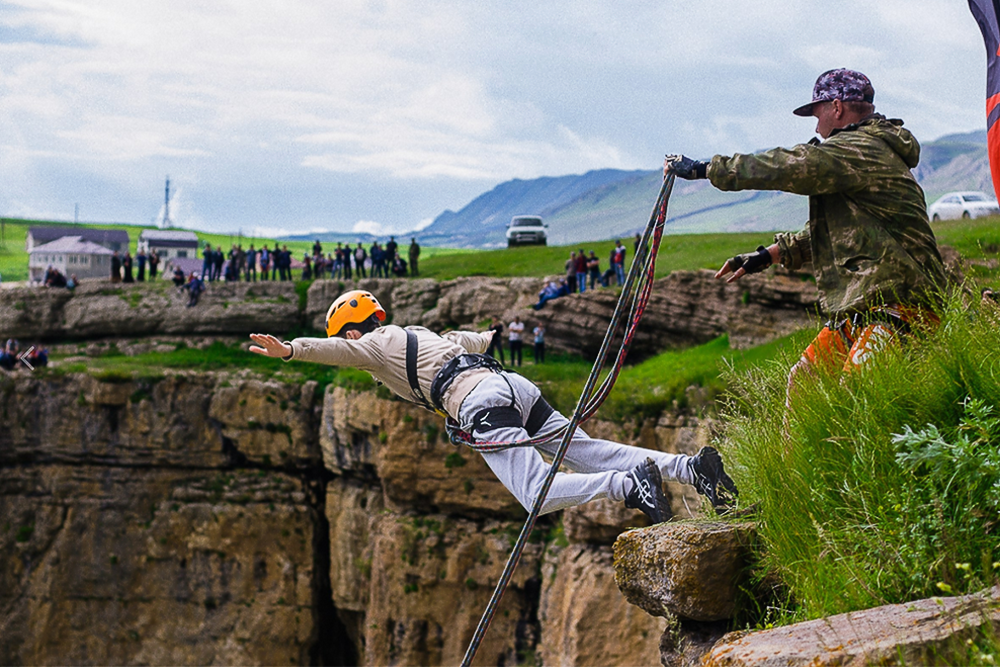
(97, 309)
(691, 570)
(217, 517)
(926, 632)
(135, 529)
(584, 618)
(686, 307)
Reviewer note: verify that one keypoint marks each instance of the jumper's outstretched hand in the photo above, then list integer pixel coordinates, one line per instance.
(751, 262)
(269, 346)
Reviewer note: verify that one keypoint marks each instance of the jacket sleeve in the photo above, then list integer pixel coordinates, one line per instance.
(794, 250)
(836, 165)
(476, 343)
(365, 353)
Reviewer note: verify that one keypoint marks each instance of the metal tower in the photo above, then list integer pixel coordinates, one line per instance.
(167, 222)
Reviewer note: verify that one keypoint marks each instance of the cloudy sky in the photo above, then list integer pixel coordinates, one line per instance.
(377, 116)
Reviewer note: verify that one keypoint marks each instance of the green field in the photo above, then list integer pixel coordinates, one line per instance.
(14, 257)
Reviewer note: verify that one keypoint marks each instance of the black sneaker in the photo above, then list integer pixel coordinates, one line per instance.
(711, 480)
(647, 492)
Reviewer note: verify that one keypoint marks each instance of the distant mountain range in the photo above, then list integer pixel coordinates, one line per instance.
(609, 203)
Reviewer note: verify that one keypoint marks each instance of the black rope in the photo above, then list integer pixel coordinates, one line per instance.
(589, 399)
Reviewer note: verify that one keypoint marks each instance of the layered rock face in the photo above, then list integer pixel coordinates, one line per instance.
(220, 518)
(686, 307)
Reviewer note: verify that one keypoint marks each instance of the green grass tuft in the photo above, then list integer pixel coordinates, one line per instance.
(885, 485)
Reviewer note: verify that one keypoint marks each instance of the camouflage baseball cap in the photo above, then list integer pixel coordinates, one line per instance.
(839, 84)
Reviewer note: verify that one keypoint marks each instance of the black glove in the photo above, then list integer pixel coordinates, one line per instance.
(751, 262)
(687, 168)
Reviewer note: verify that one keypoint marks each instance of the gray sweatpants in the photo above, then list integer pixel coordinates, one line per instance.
(600, 466)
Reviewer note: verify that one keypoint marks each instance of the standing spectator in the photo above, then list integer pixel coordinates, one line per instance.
(611, 275)
(345, 260)
(154, 261)
(265, 259)
(620, 262)
(571, 272)
(127, 267)
(496, 343)
(286, 262)
(307, 269)
(220, 258)
(116, 268)
(359, 260)
(594, 268)
(515, 332)
(208, 262)
(378, 261)
(251, 263)
(635, 246)
(317, 249)
(241, 261)
(539, 350)
(390, 252)
(414, 256)
(141, 261)
(581, 270)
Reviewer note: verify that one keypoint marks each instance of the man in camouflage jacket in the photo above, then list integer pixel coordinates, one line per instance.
(868, 239)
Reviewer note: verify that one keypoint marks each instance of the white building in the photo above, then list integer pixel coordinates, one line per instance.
(112, 239)
(169, 244)
(71, 255)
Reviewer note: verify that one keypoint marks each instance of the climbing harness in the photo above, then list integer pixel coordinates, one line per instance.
(634, 297)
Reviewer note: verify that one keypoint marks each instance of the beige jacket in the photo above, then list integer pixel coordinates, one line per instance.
(383, 354)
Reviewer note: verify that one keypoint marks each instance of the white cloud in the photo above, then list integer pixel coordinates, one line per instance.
(361, 96)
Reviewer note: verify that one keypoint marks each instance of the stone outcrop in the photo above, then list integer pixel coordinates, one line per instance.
(98, 309)
(924, 632)
(686, 307)
(691, 570)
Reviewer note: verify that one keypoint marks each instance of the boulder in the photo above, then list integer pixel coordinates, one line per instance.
(692, 570)
(932, 631)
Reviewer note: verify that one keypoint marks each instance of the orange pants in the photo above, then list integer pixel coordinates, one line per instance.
(845, 345)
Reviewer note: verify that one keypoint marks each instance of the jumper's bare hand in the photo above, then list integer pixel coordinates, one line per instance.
(269, 346)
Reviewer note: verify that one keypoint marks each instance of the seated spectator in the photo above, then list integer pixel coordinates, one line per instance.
(72, 282)
(178, 277)
(399, 267)
(8, 357)
(550, 292)
(57, 279)
(195, 286)
(38, 357)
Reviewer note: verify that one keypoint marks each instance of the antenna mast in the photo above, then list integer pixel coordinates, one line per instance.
(167, 223)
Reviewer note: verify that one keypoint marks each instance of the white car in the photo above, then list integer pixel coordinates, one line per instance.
(525, 229)
(966, 205)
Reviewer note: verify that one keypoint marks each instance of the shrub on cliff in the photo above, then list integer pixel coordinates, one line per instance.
(883, 485)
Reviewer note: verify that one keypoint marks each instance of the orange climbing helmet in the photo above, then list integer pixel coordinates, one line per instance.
(352, 307)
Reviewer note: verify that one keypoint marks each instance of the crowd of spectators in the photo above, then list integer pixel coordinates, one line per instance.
(515, 341)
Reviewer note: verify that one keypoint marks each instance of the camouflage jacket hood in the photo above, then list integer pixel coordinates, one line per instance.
(868, 237)
(892, 132)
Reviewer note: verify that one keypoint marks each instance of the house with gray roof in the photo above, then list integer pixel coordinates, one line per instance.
(169, 243)
(72, 255)
(112, 239)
